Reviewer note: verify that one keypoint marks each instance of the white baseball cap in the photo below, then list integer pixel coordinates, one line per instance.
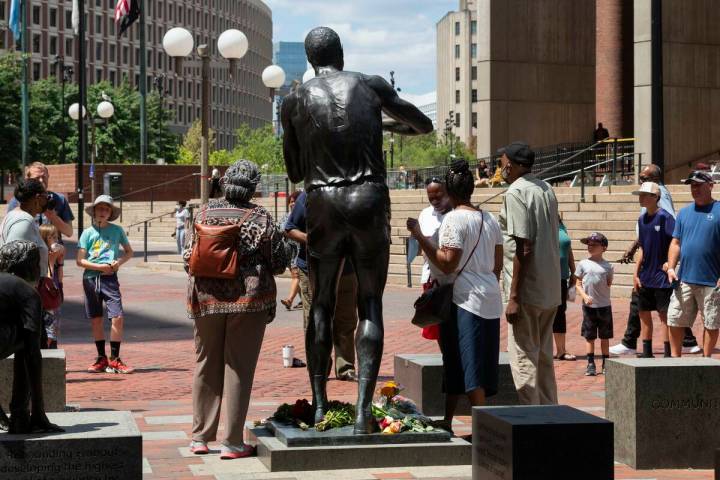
(648, 187)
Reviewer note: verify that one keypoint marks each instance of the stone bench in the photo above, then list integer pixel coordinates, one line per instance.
(541, 441)
(666, 411)
(421, 375)
(102, 445)
(53, 368)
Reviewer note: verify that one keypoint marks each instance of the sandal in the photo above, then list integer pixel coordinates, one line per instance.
(287, 304)
(567, 357)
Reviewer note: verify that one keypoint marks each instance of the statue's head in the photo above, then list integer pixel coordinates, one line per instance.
(324, 49)
(22, 259)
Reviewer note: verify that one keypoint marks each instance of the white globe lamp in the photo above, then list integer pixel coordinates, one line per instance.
(74, 111)
(308, 75)
(178, 43)
(105, 110)
(273, 76)
(233, 45)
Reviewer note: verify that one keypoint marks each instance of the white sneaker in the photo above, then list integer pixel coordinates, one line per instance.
(695, 349)
(621, 349)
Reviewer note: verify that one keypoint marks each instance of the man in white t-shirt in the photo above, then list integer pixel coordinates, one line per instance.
(431, 218)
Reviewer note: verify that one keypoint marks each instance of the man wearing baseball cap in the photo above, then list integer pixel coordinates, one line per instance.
(696, 241)
(655, 228)
(531, 274)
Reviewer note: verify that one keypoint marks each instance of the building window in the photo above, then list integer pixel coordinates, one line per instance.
(111, 28)
(457, 28)
(457, 51)
(457, 120)
(53, 46)
(98, 24)
(98, 3)
(36, 43)
(98, 74)
(473, 27)
(473, 50)
(474, 120)
(53, 17)
(113, 78)
(68, 20)
(2, 10)
(36, 71)
(68, 47)
(474, 95)
(98, 52)
(457, 96)
(111, 53)
(125, 54)
(36, 15)
(457, 74)
(473, 73)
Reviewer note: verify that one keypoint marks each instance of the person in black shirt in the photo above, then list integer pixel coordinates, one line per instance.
(20, 331)
(332, 140)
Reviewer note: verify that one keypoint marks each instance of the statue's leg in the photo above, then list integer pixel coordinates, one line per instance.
(20, 402)
(372, 275)
(324, 276)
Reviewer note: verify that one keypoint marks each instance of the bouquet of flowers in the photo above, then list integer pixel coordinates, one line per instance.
(395, 413)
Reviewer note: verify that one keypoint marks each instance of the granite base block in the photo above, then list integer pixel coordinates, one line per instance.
(294, 436)
(53, 367)
(422, 377)
(278, 457)
(665, 411)
(540, 442)
(95, 445)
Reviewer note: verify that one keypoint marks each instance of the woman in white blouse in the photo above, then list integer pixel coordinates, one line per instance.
(470, 243)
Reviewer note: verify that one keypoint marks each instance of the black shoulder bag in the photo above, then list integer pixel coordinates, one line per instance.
(435, 305)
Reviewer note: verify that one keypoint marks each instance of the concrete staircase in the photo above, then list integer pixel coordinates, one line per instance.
(610, 210)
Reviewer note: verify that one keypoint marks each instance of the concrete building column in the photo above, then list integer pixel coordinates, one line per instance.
(613, 71)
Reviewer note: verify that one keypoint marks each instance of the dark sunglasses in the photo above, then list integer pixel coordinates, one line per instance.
(434, 180)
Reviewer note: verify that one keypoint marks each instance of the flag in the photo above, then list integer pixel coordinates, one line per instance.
(76, 17)
(15, 26)
(126, 12)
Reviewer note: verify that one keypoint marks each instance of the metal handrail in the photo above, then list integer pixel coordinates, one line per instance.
(145, 231)
(590, 167)
(152, 190)
(150, 219)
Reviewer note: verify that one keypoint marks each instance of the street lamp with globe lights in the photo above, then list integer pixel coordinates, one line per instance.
(105, 110)
(274, 77)
(232, 45)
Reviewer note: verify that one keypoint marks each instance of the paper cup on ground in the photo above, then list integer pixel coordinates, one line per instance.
(288, 353)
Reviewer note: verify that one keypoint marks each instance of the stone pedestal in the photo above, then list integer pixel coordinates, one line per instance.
(95, 445)
(333, 450)
(421, 375)
(53, 368)
(666, 411)
(537, 442)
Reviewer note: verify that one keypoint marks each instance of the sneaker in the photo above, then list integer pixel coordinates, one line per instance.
(199, 448)
(99, 366)
(230, 452)
(590, 371)
(118, 366)
(694, 349)
(621, 349)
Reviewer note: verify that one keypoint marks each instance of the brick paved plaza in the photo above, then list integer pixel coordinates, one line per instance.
(159, 344)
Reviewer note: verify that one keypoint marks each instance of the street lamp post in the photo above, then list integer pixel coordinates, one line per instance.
(232, 45)
(105, 110)
(274, 77)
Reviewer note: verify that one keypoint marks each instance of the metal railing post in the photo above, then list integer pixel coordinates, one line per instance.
(152, 197)
(145, 242)
(614, 165)
(582, 178)
(639, 168)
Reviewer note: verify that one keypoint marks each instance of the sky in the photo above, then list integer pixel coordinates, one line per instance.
(378, 35)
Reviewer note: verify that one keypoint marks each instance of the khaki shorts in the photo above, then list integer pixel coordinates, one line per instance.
(685, 302)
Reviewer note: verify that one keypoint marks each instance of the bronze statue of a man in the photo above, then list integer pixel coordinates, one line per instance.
(333, 136)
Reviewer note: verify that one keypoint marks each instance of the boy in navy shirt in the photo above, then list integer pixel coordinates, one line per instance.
(655, 228)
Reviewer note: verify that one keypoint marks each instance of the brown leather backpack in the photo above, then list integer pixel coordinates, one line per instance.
(215, 248)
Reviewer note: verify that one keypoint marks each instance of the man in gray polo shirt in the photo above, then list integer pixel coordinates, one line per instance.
(531, 275)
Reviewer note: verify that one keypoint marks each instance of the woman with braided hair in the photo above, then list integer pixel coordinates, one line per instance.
(470, 253)
(20, 330)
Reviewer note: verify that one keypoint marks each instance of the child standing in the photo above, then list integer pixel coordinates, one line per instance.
(56, 256)
(182, 215)
(99, 254)
(594, 278)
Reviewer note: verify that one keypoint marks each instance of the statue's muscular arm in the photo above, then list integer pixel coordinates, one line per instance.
(291, 147)
(410, 120)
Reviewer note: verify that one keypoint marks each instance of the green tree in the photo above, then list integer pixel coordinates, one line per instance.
(10, 111)
(424, 150)
(189, 151)
(261, 146)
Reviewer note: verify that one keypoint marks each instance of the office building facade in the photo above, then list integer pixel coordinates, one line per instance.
(237, 100)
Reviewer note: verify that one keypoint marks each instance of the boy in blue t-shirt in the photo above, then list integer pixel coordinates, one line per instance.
(655, 229)
(99, 254)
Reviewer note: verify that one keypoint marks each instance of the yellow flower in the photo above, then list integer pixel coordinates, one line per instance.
(390, 389)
